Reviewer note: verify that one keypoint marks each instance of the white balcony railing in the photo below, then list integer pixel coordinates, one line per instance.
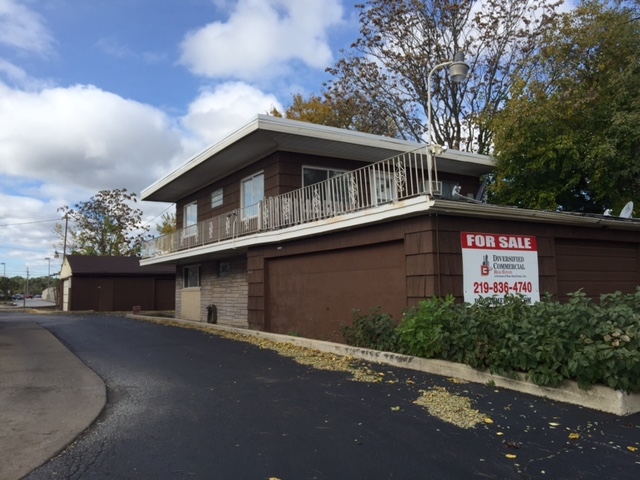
(403, 176)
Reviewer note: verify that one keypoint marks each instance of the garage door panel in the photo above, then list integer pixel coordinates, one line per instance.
(312, 295)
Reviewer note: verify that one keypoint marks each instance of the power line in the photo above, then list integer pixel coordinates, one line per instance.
(160, 214)
(29, 223)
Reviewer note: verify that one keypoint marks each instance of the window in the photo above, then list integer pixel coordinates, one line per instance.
(385, 187)
(334, 195)
(191, 276)
(217, 198)
(190, 219)
(313, 175)
(252, 194)
(224, 269)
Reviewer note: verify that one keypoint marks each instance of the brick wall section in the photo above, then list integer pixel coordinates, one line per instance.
(179, 283)
(228, 293)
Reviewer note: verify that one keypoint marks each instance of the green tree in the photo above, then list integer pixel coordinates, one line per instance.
(105, 225)
(568, 138)
(167, 224)
(386, 69)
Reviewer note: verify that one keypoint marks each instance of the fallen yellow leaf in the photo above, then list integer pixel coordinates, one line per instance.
(499, 434)
(632, 449)
(395, 409)
(510, 455)
(574, 436)
(488, 420)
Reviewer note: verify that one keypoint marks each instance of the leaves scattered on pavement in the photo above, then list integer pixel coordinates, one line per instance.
(451, 408)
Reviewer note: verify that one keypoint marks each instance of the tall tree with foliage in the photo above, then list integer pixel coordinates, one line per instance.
(402, 40)
(569, 138)
(350, 113)
(105, 225)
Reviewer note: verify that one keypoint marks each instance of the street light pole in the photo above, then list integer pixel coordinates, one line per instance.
(458, 71)
(4, 279)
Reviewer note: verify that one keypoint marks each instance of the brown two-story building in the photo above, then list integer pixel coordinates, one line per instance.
(287, 227)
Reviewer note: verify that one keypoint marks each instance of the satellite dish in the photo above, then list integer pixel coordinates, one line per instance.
(627, 210)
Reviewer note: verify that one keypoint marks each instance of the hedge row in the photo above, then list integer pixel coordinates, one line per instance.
(591, 343)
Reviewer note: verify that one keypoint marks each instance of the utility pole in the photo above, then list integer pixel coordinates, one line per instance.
(48, 259)
(66, 226)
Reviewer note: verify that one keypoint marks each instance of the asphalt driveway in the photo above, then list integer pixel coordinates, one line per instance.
(187, 404)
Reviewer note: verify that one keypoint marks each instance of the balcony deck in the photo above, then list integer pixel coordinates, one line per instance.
(401, 177)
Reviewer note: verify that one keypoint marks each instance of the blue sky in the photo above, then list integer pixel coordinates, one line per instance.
(98, 94)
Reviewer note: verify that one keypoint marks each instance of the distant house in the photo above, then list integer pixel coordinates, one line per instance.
(287, 226)
(107, 284)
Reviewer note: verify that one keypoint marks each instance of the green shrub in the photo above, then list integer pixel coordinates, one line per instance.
(609, 345)
(374, 330)
(548, 341)
(425, 330)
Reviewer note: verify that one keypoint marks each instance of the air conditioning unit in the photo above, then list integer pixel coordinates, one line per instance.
(436, 188)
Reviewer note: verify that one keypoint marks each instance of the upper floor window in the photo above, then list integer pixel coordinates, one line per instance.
(331, 192)
(217, 198)
(252, 194)
(190, 219)
(313, 175)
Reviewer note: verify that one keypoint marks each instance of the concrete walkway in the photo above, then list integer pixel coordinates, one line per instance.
(47, 397)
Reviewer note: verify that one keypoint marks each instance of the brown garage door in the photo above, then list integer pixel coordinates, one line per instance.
(313, 294)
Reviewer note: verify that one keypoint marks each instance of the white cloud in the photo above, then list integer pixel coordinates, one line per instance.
(22, 28)
(83, 137)
(222, 110)
(261, 36)
(60, 146)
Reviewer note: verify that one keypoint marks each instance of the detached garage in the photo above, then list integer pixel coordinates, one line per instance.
(107, 284)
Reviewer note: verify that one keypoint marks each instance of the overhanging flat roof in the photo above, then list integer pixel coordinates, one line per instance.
(265, 134)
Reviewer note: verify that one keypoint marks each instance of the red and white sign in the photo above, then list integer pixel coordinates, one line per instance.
(495, 265)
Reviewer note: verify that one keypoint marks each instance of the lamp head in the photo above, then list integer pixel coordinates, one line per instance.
(458, 70)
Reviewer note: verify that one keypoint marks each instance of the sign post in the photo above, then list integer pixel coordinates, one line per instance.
(495, 265)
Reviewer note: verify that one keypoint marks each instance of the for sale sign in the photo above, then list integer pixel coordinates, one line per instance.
(496, 264)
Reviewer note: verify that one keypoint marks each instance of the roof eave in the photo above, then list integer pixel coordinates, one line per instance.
(265, 134)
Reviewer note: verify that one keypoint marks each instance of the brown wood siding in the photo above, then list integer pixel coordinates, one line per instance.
(255, 279)
(314, 294)
(448, 230)
(282, 174)
(431, 257)
(597, 266)
(231, 190)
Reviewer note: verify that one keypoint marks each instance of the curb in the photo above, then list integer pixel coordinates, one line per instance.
(597, 397)
(49, 397)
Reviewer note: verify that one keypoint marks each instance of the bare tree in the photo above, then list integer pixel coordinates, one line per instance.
(402, 40)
